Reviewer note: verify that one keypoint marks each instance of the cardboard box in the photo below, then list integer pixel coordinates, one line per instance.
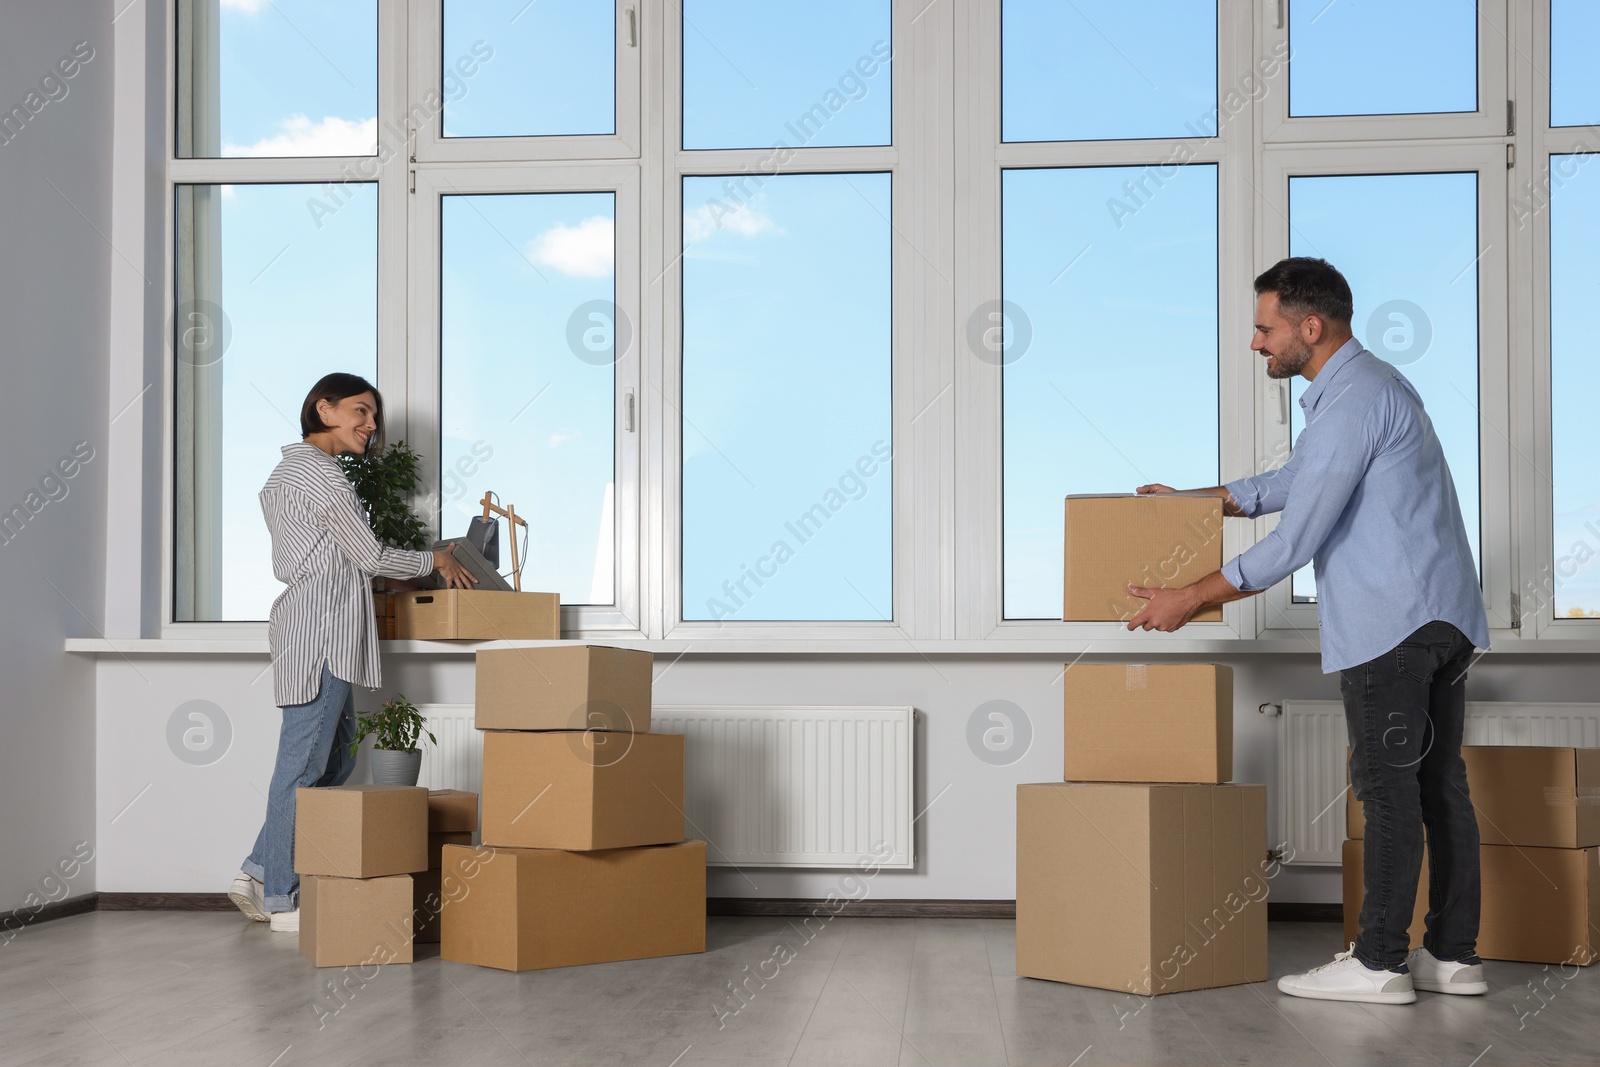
(437, 841)
(1540, 905)
(576, 687)
(361, 831)
(581, 790)
(426, 906)
(452, 809)
(526, 909)
(1142, 888)
(353, 922)
(477, 615)
(1525, 795)
(1111, 542)
(1162, 722)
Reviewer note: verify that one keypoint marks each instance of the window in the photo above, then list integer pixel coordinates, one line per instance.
(1099, 69)
(1408, 245)
(515, 68)
(286, 78)
(787, 438)
(807, 75)
(245, 253)
(1574, 80)
(1110, 374)
(1418, 57)
(1575, 381)
(528, 349)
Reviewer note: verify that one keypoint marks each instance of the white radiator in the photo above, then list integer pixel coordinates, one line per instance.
(797, 786)
(763, 786)
(1311, 761)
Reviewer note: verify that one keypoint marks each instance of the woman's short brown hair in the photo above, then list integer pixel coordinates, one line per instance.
(336, 387)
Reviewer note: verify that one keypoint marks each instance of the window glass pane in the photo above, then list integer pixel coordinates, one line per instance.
(245, 254)
(792, 75)
(515, 68)
(278, 78)
(787, 487)
(1575, 382)
(1375, 57)
(1574, 77)
(528, 340)
(1110, 355)
(1408, 246)
(1103, 69)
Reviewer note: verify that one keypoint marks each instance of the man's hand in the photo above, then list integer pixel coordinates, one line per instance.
(1154, 487)
(1167, 610)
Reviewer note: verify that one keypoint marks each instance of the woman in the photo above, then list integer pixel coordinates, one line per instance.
(322, 632)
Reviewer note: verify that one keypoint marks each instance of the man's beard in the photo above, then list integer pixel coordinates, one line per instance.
(1288, 364)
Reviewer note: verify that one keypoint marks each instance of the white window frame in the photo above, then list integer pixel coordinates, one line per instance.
(916, 496)
(433, 183)
(980, 567)
(1537, 142)
(1489, 120)
(427, 43)
(1495, 449)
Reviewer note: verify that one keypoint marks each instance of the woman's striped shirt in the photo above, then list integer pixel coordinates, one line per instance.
(324, 551)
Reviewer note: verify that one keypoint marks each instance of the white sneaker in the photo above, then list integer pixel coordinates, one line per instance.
(286, 922)
(246, 892)
(1430, 973)
(1347, 978)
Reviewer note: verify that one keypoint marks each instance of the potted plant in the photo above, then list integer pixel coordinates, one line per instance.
(384, 481)
(398, 728)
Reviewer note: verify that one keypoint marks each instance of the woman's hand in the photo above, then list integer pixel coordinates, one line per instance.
(454, 574)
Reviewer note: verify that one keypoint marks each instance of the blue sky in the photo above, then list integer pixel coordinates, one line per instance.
(787, 282)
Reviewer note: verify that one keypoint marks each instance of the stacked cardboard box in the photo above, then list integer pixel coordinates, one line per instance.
(583, 857)
(1142, 871)
(1539, 827)
(355, 849)
(452, 820)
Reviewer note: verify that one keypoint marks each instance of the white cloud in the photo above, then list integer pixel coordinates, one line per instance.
(586, 250)
(299, 136)
(249, 7)
(559, 439)
(741, 219)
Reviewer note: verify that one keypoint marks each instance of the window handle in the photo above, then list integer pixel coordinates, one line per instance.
(633, 27)
(629, 417)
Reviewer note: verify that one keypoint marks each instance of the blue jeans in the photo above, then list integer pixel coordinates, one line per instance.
(1405, 712)
(313, 750)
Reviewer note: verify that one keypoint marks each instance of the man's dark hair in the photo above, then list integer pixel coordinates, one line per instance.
(334, 388)
(1307, 286)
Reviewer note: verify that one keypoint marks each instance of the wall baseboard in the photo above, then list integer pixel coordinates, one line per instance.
(22, 918)
(735, 906)
(165, 902)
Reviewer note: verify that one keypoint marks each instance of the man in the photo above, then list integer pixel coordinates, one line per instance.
(1367, 496)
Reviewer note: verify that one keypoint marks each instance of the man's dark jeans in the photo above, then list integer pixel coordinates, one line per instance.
(1404, 711)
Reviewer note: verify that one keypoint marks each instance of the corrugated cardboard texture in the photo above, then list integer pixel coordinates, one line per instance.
(577, 687)
(581, 790)
(351, 922)
(426, 906)
(477, 615)
(1545, 796)
(437, 841)
(1540, 905)
(1142, 888)
(361, 831)
(528, 909)
(1162, 722)
(1111, 542)
(452, 809)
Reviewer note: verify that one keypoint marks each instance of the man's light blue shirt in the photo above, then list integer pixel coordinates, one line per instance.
(1367, 496)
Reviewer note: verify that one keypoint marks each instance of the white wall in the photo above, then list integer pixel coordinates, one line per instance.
(55, 267)
(191, 825)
